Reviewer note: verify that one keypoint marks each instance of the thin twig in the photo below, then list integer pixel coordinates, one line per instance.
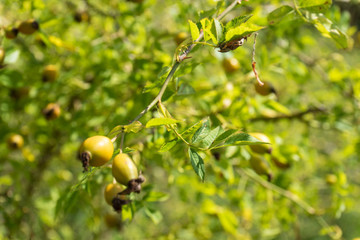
(309, 209)
(298, 115)
(254, 62)
(334, 233)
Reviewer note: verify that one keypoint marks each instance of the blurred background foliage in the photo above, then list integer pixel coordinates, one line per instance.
(109, 53)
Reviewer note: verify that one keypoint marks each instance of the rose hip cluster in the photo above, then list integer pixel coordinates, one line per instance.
(97, 151)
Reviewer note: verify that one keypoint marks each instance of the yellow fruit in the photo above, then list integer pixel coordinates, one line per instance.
(28, 27)
(50, 73)
(261, 148)
(230, 65)
(15, 141)
(124, 169)
(2, 55)
(52, 111)
(11, 32)
(331, 179)
(99, 149)
(180, 37)
(260, 166)
(111, 192)
(280, 162)
(265, 89)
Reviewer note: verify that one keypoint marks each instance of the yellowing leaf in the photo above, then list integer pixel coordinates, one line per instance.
(60, 43)
(160, 121)
(194, 30)
(241, 31)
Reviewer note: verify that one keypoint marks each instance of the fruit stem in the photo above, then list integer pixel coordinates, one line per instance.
(254, 62)
(122, 142)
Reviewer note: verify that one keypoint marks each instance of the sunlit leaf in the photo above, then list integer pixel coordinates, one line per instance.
(209, 31)
(236, 22)
(315, 5)
(328, 29)
(194, 30)
(133, 127)
(277, 15)
(160, 121)
(168, 145)
(238, 139)
(241, 31)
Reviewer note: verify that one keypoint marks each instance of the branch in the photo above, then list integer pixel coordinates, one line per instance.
(289, 195)
(181, 58)
(333, 231)
(298, 115)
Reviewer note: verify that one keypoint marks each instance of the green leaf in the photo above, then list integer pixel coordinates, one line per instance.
(329, 30)
(197, 163)
(314, 5)
(202, 132)
(241, 31)
(277, 15)
(238, 139)
(129, 150)
(67, 199)
(133, 127)
(217, 30)
(150, 85)
(224, 136)
(194, 30)
(236, 22)
(209, 34)
(128, 212)
(164, 72)
(160, 121)
(186, 68)
(156, 197)
(168, 145)
(209, 139)
(185, 89)
(207, 14)
(188, 133)
(154, 215)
